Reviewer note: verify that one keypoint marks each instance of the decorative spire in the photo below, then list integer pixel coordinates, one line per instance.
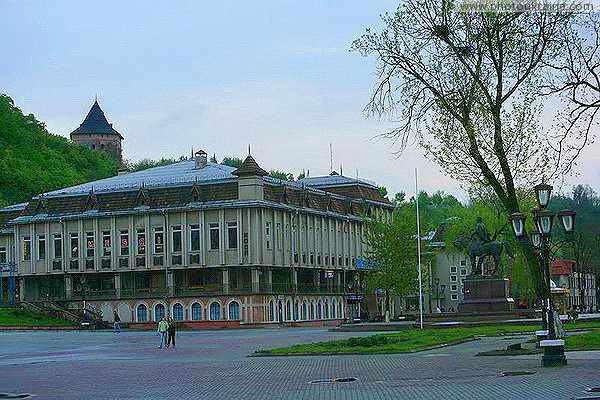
(248, 148)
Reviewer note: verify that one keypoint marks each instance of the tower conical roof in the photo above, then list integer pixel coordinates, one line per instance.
(95, 122)
(250, 167)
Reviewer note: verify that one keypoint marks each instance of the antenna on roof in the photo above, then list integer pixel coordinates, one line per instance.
(341, 172)
(96, 97)
(330, 158)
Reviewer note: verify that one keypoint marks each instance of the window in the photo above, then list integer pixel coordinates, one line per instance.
(106, 248)
(89, 244)
(158, 240)
(57, 245)
(304, 309)
(234, 310)
(141, 241)
(178, 312)
(125, 242)
(454, 297)
(215, 311)
(159, 312)
(453, 278)
(278, 235)
(176, 239)
(2, 254)
(195, 238)
(454, 288)
(453, 270)
(268, 235)
(232, 235)
(74, 245)
(214, 236)
(142, 313)
(463, 272)
(463, 263)
(26, 248)
(196, 312)
(41, 253)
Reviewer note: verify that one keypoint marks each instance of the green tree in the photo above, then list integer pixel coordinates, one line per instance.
(281, 175)
(467, 86)
(382, 190)
(149, 163)
(392, 250)
(232, 161)
(33, 161)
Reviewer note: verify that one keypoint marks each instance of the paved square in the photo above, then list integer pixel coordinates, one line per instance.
(214, 365)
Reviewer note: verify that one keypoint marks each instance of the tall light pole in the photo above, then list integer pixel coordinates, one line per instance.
(541, 240)
(437, 293)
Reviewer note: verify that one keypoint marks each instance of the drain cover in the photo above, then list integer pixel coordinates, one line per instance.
(14, 395)
(335, 380)
(517, 373)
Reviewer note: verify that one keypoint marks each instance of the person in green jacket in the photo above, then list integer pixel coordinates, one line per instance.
(163, 327)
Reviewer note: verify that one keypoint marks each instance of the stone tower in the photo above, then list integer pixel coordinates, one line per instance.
(96, 133)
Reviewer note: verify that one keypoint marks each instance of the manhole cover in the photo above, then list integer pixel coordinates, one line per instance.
(517, 373)
(335, 380)
(14, 395)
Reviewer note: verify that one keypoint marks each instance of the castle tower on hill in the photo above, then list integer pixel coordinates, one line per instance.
(96, 133)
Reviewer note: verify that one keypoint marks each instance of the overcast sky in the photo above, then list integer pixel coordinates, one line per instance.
(217, 76)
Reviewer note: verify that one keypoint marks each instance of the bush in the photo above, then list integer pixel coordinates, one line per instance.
(369, 341)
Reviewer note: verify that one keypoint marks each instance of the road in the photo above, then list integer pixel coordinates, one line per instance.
(214, 365)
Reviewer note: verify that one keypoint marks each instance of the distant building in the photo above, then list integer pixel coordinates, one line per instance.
(198, 240)
(96, 133)
(580, 282)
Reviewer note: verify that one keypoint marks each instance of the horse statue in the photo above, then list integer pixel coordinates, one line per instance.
(478, 251)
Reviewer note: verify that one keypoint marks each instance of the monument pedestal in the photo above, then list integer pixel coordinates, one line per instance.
(486, 294)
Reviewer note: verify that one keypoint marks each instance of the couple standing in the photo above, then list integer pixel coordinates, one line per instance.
(166, 332)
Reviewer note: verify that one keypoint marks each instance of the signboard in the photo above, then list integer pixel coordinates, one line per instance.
(355, 297)
(362, 265)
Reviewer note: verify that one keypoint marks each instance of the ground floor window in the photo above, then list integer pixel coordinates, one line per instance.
(319, 310)
(304, 309)
(178, 312)
(272, 310)
(159, 312)
(234, 310)
(142, 313)
(196, 312)
(215, 311)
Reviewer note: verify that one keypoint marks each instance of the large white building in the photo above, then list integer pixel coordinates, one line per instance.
(198, 240)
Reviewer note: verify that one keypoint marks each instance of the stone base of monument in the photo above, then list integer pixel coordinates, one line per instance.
(553, 353)
(540, 335)
(485, 294)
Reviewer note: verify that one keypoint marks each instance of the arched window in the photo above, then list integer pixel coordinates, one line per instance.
(312, 309)
(333, 308)
(297, 309)
(234, 310)
(215, 311)
(319, 310)
(341, 309)
(288, 310)
(159, 312)
(272, 310)
(304, 309)
(142, 313)
(177, 312)
(327, 309)
(196, 312)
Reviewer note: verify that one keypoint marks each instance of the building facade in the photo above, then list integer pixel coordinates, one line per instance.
(579, 282)
(196, 240)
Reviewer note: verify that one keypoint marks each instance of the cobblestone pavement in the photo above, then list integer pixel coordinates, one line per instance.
(214, 365)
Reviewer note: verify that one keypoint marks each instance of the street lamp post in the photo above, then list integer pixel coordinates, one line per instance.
(541, 241)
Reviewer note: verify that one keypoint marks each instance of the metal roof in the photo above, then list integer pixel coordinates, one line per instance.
(172, 174)
(334, 180)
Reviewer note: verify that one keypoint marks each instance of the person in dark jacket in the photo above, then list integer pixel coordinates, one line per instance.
(172, 328)
(117, 323)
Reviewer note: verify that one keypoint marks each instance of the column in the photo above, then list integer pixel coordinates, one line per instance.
(118, 286)
(255, 276)
(68, 287)
(225, 280)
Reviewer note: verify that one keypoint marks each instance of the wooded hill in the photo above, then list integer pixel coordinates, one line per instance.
(34, 161)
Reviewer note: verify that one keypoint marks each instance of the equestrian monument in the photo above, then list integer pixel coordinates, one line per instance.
(486, 289)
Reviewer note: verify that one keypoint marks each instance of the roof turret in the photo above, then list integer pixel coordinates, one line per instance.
(95, 123)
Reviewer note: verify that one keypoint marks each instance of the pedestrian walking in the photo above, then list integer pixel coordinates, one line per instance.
(161, 331)
(117, 323)
(171, 331)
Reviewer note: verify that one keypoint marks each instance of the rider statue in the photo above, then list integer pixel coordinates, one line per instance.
(481, 233)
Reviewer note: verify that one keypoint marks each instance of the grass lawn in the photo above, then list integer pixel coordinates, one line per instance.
(19, 317)
(418, 340)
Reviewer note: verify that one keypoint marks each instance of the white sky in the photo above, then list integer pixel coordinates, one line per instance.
(217, 76)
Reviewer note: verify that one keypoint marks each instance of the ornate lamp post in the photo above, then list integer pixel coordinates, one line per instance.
(541, 241)
(437, 293)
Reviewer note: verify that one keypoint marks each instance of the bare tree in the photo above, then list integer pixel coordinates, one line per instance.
(465, 86)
